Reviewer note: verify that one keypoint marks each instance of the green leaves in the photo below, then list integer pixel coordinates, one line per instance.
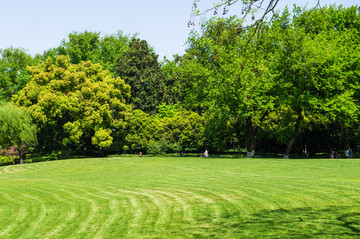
(311, 65)
(102, 138)
(184, 128)
(90, 46)
(140, 69)
(16, 128)
(224, 71)
(76, 102)
(13, 74)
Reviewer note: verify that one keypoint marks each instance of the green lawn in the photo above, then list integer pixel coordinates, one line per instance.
(153, 197)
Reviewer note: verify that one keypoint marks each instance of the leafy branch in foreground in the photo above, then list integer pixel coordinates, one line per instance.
(249, 8)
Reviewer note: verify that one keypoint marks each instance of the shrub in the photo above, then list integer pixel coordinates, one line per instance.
(12, 151)
(4, 160)
(162, 146)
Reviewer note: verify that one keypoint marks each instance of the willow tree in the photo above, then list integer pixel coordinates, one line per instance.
(74, 105)
(16, 129)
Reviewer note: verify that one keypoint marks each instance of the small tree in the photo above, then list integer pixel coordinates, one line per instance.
(16, 129)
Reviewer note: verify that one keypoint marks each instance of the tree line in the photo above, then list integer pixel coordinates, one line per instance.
(289, 87)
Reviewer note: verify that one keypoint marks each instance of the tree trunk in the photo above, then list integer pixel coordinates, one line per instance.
(344, 137)
(21, 155)
(344, 140)
(293, 137)
(21, 150)
(250, 138)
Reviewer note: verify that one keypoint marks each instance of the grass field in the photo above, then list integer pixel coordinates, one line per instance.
(151, 197)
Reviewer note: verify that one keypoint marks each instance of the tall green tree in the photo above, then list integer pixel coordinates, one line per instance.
(172, 71)
(13, 74)
(91, 46)
(226, 73)
(81, 46)
(344, 25)
(111, 48)
(75, 105)
(311, 78)
(139, 67)
(16, 129)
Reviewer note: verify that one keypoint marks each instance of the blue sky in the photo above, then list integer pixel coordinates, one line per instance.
(37, 25)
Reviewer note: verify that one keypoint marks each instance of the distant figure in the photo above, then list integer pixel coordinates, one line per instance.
(140, 154)
(350, 153)
(206, 154)
(333, 155)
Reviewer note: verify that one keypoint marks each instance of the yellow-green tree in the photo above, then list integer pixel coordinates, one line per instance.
(74, 105)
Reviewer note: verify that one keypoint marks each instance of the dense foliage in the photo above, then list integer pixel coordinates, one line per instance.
(74, 104)
(90, 46)
(227, 75)
(13, 74)
(289, 86)
(16, 129)
(139, 67)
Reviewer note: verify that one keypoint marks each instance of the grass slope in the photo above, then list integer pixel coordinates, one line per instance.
(181, 198)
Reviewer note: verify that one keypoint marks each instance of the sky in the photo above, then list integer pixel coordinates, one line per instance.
(38, 25)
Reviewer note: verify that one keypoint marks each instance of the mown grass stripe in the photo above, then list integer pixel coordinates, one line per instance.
(87, 209)
(155, 214)
(13, 211)
(163, 209)
(28, 210)
(59, 223)
(36, 221)
(181, 198)
(180, 208)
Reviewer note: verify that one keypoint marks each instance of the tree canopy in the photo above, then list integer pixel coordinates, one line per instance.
(310, 72)
(13, 74)
(139, 67)
(225, 79)
(91, 46)
(16, 128)
(75, 104)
